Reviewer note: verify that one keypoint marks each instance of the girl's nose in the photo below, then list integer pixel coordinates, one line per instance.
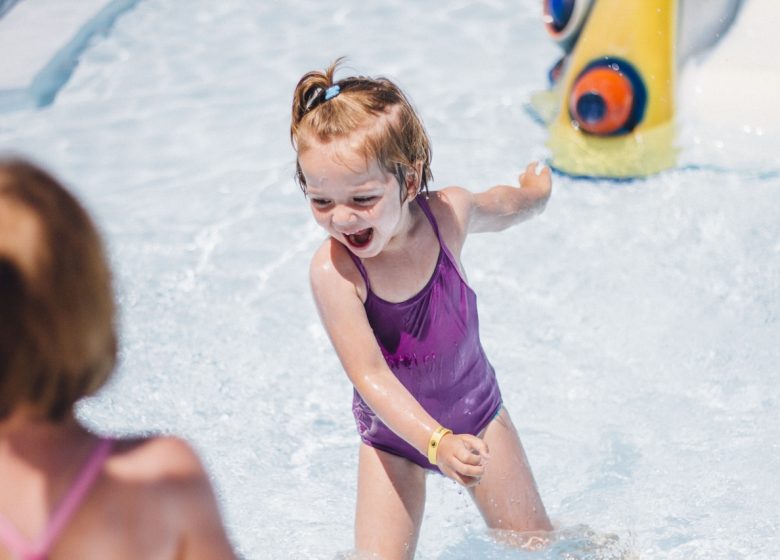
(342, 217)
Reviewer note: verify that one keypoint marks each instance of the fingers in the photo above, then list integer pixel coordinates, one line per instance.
(463, 458)
(463, 478)
(465, 449)
(535, 169)
(537, 180)
(472, 471)
(467, 481)
(527, 173)
(476, 446)
(534, 172)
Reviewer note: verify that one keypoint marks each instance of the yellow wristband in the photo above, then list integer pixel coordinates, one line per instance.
(433, 443)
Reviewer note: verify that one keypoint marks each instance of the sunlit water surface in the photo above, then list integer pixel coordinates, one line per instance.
(634, 326)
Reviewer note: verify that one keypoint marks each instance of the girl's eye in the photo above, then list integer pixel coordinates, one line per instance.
(319, 202)
(365, 200)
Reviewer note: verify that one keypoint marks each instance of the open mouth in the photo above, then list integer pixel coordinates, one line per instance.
(361, 238)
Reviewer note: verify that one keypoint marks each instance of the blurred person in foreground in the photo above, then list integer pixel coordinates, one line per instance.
(66, 492)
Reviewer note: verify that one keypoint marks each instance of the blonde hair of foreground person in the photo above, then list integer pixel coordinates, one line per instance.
(147, 497)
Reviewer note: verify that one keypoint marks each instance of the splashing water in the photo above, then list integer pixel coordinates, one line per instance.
(633, 326)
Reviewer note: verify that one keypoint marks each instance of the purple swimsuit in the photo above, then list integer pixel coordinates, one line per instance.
(431, 343)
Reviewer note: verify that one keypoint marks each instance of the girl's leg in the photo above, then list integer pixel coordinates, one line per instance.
(390, 504)
(507, 495)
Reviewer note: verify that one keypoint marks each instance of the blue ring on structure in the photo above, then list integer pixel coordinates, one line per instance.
(591, 107)
(560, 11)
(640, 93)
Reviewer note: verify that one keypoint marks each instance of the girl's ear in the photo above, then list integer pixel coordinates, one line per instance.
(413, 177)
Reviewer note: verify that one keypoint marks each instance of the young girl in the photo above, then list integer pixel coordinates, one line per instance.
(65, 492)
(393, 297)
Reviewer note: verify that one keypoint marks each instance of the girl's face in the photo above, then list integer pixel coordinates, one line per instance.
(355, 201)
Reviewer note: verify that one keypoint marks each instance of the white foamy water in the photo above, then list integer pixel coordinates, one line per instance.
(634, 326)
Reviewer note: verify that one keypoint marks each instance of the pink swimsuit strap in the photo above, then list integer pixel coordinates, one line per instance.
(25, 550)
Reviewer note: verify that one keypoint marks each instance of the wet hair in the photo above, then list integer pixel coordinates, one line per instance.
(393, 133)
(57, 313)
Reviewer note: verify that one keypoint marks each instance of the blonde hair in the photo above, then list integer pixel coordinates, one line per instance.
(394, 134)
(57, 334)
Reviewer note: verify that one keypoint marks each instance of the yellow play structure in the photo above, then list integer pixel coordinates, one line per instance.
(610, 109)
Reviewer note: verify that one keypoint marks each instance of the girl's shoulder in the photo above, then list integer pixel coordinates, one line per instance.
(453, 196)
(163, 473)
(332, 268)
(161, 485)
(451, 207)
(154, 459)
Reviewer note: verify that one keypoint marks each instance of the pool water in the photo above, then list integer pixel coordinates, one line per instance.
(634, 326)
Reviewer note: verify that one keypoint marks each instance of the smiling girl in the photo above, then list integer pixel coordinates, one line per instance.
(393, 297)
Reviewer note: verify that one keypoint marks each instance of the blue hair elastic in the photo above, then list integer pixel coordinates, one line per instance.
(332, 92)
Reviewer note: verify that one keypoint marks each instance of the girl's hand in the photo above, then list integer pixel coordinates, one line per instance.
(540, 181)
(463, 457)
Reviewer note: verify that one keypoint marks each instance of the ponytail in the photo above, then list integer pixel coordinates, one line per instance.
(311, 88)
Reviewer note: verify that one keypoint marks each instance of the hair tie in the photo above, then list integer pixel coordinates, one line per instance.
(319, 97)
(332, 92)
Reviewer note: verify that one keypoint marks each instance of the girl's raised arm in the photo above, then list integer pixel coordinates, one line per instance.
(503, 206)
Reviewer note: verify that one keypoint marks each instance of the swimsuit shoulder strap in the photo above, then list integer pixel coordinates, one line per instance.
(19, 546)
(422, 201)
(361, 269)
(77, 493)
(16, 544)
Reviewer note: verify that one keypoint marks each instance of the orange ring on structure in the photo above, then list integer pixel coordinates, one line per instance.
(614, 90)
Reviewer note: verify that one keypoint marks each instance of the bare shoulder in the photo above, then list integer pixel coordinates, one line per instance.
(332, 268)
(452, 203)
(155, 459)
(451, 207)
(163, 482)
(457, 197)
